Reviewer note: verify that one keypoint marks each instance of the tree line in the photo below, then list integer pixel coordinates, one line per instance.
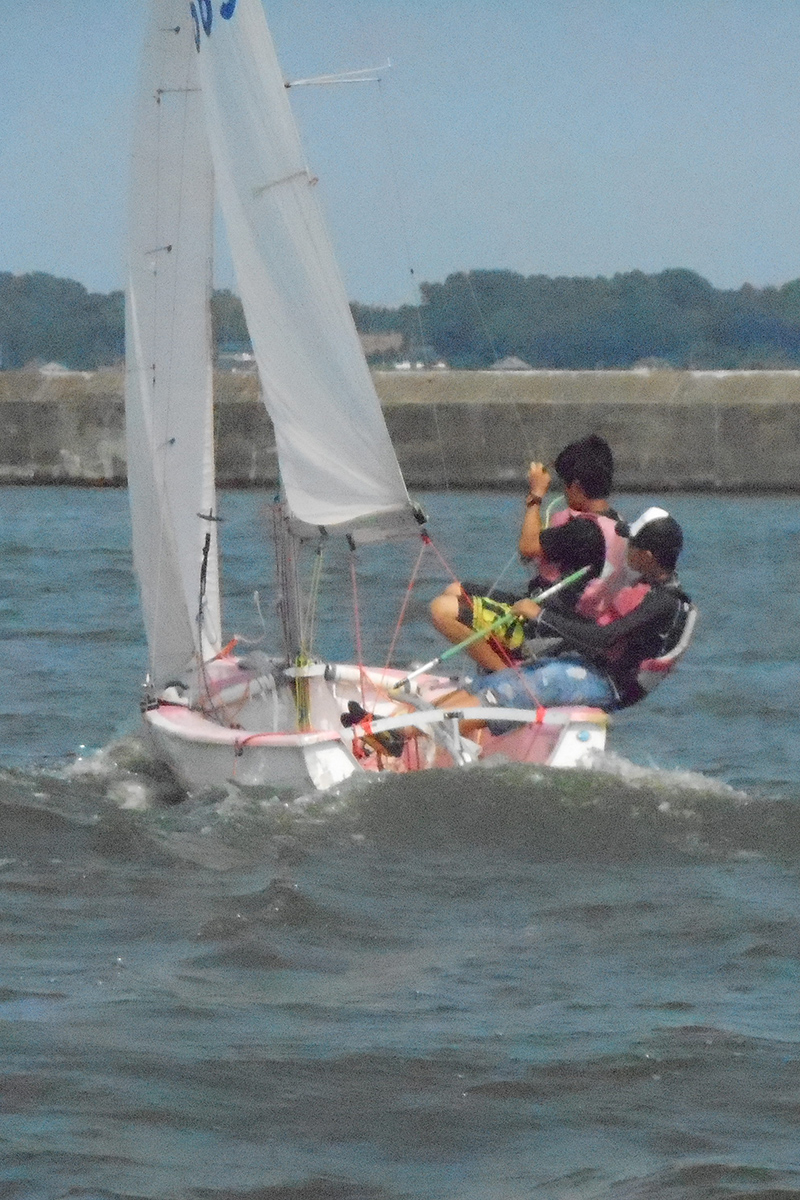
(672, 318)
(44, 319)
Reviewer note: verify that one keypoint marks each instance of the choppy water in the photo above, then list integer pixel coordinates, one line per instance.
(502, 983)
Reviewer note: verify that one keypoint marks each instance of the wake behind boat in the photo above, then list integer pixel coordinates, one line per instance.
(214, 117)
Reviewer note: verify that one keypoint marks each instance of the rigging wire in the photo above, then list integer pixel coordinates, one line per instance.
(406, 599)
(495, 357)
(308, 624)
(249, 641)
(400, 208)
(481, 316)
(398, 195)
(514, 556)
(512, 559)
(440, 445)
(357, 622)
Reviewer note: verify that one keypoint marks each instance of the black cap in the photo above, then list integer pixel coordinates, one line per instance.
(663, 537)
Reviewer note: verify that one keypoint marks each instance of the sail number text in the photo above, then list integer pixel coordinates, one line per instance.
(203, 16)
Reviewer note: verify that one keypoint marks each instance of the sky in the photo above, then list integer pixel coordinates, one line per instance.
(561, 137)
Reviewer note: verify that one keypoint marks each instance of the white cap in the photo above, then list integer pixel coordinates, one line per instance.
(650, 514)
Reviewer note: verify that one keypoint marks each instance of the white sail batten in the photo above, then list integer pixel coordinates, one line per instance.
(338, 467)
(168, 387)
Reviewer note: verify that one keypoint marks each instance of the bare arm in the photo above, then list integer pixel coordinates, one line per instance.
(538, 483)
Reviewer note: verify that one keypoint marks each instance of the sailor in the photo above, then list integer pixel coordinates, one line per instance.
(564, 549)
(601, 665)
(586, 469)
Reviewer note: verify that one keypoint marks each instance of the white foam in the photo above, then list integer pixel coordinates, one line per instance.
(636, 776)
(130, 794)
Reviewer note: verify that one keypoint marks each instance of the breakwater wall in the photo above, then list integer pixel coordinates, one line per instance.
(670, 430)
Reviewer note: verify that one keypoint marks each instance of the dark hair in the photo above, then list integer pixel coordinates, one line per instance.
(590, 463)
(663, 538)
(577, 543)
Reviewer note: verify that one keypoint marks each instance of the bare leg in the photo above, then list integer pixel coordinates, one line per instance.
(444, 614)
(462, 699)
(457, 699)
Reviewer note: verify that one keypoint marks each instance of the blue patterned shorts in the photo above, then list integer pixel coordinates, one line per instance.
(550, 682)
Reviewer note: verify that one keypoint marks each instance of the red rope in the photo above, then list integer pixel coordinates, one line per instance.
(499, 648)
(426, 541)
(496, 645)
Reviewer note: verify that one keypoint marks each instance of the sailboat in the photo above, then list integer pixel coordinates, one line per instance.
(214, 120)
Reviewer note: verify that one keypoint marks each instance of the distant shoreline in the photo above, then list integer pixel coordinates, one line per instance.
(733, 431)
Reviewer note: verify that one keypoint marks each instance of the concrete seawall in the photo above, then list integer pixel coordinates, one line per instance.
(727, 431)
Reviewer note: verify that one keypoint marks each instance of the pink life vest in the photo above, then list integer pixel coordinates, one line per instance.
(598, 595)
(623, 602)
(651, 670)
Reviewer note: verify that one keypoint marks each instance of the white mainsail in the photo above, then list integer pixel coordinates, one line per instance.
(168, 386)
(338, 467)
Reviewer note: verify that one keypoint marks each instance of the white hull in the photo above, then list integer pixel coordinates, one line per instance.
(226, 747)
(203, 754)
